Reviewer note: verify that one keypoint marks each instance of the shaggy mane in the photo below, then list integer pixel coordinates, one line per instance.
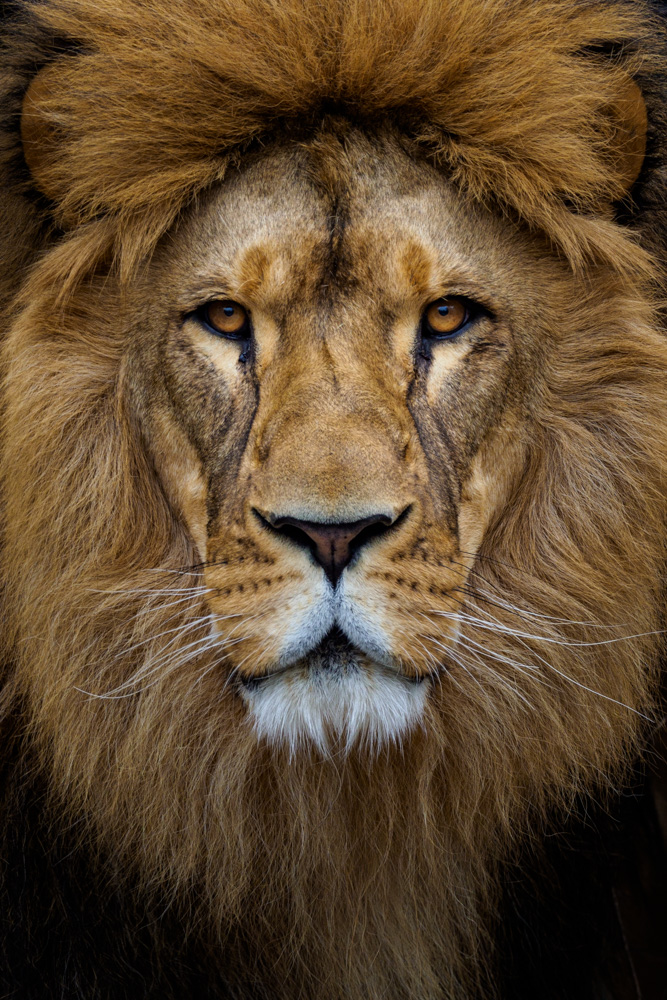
(150, 102)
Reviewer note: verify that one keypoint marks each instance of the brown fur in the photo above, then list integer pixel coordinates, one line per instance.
(357, 874)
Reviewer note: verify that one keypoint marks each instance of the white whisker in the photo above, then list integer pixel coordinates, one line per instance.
(172, 658)
(507, 630)
(531, 667)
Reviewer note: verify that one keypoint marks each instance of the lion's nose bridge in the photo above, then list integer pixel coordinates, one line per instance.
(332, 466)
(330, 454)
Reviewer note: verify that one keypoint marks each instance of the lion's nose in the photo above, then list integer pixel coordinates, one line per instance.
(332, 545)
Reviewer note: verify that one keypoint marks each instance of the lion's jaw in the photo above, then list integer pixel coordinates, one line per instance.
(334, 421)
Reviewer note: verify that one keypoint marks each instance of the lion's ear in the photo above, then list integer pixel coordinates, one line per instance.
(629, 145)
(39, 134)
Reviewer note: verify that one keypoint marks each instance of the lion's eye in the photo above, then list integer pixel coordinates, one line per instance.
(445, 317)
(225, 318)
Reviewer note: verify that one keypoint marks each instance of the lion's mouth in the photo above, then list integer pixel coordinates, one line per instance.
(334, 697)
(334, 657)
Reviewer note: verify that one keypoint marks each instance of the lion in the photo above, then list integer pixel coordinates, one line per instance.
(334, 465)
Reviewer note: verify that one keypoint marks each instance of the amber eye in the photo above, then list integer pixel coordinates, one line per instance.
(226, 318)
(445, 317)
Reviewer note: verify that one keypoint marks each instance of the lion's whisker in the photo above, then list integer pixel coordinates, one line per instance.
(207, 619)
(459, 663)
(474, 650)
(152, 591)
(216, 641)
(498, 600)
(154, 608)
(430, 655)
(499, 627)
(166, 666)
(204, 673)
(158, 610)
(185, 571)
(502, 659)
(177, 631)
(503, 681)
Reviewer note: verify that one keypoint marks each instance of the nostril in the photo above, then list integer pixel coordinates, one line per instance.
(332, 544)
(370, 531)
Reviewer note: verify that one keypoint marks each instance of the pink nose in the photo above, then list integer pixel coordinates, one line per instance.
(332, 545)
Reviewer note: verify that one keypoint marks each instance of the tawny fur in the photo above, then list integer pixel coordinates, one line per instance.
(362, 876)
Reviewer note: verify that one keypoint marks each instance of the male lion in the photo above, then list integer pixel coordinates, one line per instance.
(334, 438)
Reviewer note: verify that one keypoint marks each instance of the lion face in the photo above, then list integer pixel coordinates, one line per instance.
(336, 458)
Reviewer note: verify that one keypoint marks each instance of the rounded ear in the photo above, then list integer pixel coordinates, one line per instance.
(629, 144)
(38, 133)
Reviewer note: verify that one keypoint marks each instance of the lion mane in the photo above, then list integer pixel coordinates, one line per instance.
(152, 844)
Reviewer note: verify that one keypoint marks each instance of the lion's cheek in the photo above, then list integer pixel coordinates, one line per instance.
(181, 474)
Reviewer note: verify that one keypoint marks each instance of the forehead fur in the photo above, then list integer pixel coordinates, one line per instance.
(148, 102)
(347, 214)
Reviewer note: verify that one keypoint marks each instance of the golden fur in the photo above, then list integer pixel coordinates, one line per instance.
(344, 871)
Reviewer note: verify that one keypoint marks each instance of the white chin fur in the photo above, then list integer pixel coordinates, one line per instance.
(371, 705)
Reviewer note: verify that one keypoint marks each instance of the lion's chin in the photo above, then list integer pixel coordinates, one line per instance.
(334, 699)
